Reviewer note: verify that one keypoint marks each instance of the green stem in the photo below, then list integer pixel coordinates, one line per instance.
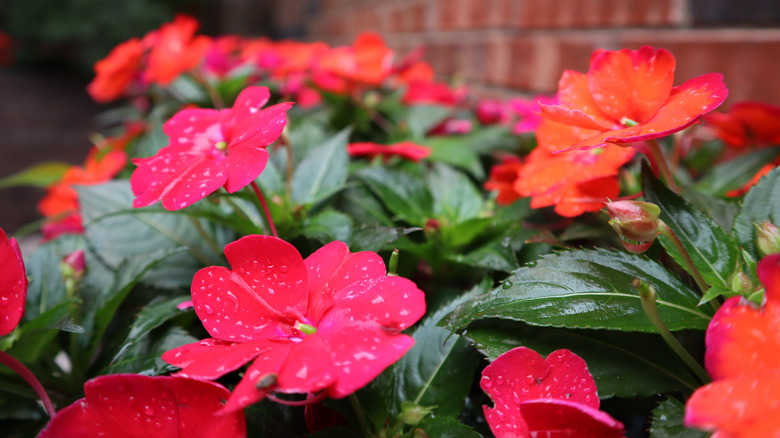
(647, 294)
(361, 417)
(393, 268)
(29, 377)
(264, 206)
(657, 156)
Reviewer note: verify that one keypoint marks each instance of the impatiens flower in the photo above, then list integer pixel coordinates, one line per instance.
(502, 179)
(136, 406)
(405, 149)
(747, 123)
(765, 169)
(368, 61)
(528, 112)
(174, 50)
(433, 93)
(575, 182)
(537, 397)
(493, 111)
(209, 149)
(743, 358)
(627, 96)
(331, 322)
(13, 284)
(115, 73)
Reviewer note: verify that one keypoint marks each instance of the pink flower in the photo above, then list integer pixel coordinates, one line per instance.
(331, 322)
(135, 406)
(533, 397)
(210, 149)
(528, 112)
(13, 284)
(405, 149)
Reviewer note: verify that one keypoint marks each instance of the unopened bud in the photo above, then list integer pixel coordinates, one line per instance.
(741, 283)
(636, 223)
(412, 414)
(73, 265)
(768, 241)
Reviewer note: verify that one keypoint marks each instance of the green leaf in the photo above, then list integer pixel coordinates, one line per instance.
(375, 237)
(714, 252)
(186, 89)
(736, 172)
(445, 427)
(455, 151)
(30, 339)
(762, 203)
(144, 357)
(588, 289)
(496, 254)
(328, 226)
(46, 287)
(322, 172)
(455, 198)
(38, 175)
(623, 364)
(403, 193)
(150, 317)
(423, 118)
(668, 420)
(720, 210)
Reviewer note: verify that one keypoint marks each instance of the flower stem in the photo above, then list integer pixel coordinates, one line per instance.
(652, 149)
(361, 417)
(29, 377)
(664, 230)
(393, 268)
(264, 205)
(648, 295)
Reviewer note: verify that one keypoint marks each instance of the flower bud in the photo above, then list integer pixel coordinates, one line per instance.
(412, 414)
(73, 265)
(636, 223)
(741, 283)
(768, 241)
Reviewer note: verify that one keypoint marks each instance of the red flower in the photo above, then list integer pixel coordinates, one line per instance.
(626, 97)
(502, 179)
(115, 73)
(743, 358)
(13, 284)
(765, 169)
(747, 123)
(533, 397)
(433, 93)
(209, 149)
(405, 149)
(368, 61)
(331, 322)
(135, 406)
(575, 182)
(175, 50)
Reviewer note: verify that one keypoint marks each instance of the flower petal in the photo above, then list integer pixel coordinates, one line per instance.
(556, 417)
(574, 93)
(631, 83)
(261, 128)
(308, 367)
(392, 302)
(245, 162)
(212, 358)
(268, 365)
(183, 127)
(197, 402)
(13, 284)
(359, 353)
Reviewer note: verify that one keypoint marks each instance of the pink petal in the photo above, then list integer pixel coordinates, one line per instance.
(332, 268)
(197, 403)
(267, 366)
(260, 128)
(359, 353)
(392, 302)
(249, 102)
(230, 309)
(244, 163)
(631, 83)
(188, 125)
(211, 359)
(273, 269)
(308, 367)
(555, 417)
(13, 284)
(195, 183)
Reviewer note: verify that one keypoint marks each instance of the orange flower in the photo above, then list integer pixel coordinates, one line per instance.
(753, 181)
(367, 62)
(502, 179)
(747, 123)
(175, 50)
(626, 97)
(743, 358)
(115, 73)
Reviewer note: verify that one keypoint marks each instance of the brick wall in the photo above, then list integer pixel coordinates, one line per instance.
(523, 46)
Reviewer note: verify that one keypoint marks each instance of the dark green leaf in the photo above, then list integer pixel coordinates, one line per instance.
(734, 173)
(150, 317)
(496, 254)
(328, 226)
(322, 171)
(455, 151)
(445, 427)
(145, 356)
(455, 198)
(403, 193)
(623, 364)
(47, 288)
(375, 238)
(668, 422)
(423, 118)
(720, 210)
(714, 252)
(588, 289)
(762, 203)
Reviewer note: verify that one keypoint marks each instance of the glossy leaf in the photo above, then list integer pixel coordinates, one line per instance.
(328, 226)
(668, 422)
(423, 118)
(762, 203)
(722, 211)
(322, 171)
(150, 317)
(734, 173)
(403, 193)
(455, 151)
(447, 427)
(588, 289)
(376, 238)
(714, 252)
(623, 364)
(455, 198)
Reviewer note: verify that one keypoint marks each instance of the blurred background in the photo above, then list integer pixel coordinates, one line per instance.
(499, 48)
